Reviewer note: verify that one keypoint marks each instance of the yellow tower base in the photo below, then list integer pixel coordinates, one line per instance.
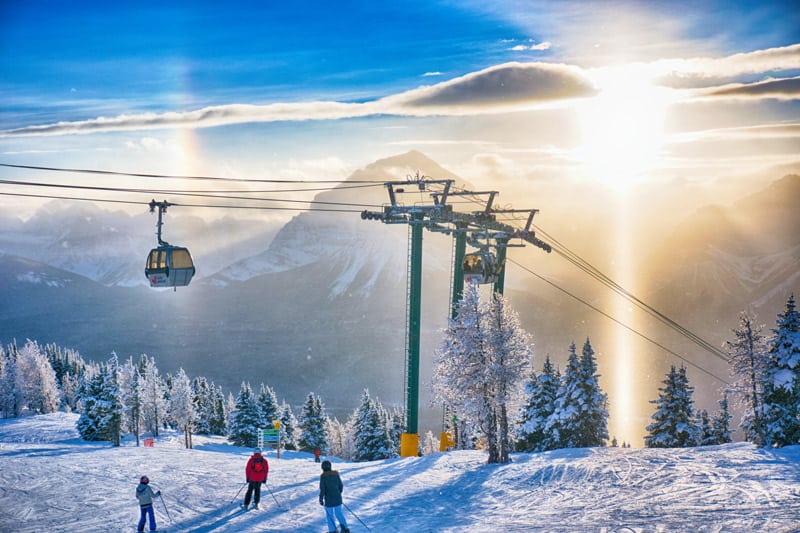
(409, 445)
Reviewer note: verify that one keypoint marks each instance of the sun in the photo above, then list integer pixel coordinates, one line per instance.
(622, 128)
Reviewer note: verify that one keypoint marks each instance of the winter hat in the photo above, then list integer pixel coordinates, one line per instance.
(144, 479)
(326, 465)
(257, 450)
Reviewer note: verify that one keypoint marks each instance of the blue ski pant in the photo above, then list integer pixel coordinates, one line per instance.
(147, 511)
(337, 511)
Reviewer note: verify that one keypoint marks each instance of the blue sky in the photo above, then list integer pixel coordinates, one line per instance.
(510, 94)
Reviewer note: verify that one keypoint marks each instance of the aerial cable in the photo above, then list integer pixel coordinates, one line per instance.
(629, 328)
(153, 191)
(173, 176)
(213, 206)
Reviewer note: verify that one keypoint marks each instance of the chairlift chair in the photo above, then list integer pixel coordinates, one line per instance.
(480, 267)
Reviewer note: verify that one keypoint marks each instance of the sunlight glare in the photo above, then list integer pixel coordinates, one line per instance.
(622, 128)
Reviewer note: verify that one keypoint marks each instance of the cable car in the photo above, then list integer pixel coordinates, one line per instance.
(169, 266)
(480, 267)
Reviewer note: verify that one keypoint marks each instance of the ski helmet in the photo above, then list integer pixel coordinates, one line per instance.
(144, 479)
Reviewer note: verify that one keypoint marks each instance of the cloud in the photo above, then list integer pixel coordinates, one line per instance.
(506, 87)
(535, 47)
(781, 89)
(681, 72)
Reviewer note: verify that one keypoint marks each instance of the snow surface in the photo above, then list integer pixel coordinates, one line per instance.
(52, 481)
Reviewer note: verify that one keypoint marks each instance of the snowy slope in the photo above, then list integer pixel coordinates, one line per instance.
(52, 481)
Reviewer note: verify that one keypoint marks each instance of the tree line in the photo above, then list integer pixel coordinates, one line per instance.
(483, 376)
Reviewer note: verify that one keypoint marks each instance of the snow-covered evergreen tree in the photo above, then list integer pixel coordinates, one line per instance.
(288, 426)
(340, 439)
(781, 380)
(268, 404)
(541, 391)
(748, 359)
(153, 394)
(69, 367)
(703, 423)
(509, 361)
(204, 407)
(720, 424)
(246, 418)
(479, 367)
(313, 425)
(35, 384)
(131, 388)
(103, 410)
(372, 437)
(8, 367)
(218, 424)
(182, 405)
(593, 415)
(673, 423)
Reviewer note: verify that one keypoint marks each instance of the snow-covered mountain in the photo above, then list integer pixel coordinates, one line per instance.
(730, 488)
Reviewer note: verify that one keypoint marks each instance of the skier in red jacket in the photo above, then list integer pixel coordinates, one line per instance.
(256, 473)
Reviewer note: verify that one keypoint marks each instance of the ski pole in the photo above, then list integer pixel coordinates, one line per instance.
(273, 496)
(239, 492)
(165, 508)
(357, 518)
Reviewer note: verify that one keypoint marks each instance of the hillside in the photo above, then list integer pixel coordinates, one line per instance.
(52, 481)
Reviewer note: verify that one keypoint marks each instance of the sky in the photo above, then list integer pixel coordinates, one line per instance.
(733, 487)
(516, 94)
(649, 108)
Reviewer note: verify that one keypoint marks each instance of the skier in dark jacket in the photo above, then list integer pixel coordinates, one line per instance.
(145, 495)
(330, 495)
(256, 473)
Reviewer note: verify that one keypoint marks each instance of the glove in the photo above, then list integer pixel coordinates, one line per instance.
(158, 493)
(321, 502)
(264, 482)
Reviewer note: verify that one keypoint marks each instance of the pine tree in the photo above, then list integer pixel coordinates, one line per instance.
(246, 419)
(312, 424)
(593, 416)
(748, 359)
(703, 423)
(288, 426)
(35, 381)
(673, 423)
(103, 410)
(131, 388)
(182, 405)
(372, 437)
(563, 423)
(781, 380)
(268, 404)
(153, 394)
(218, 424)
(540, 391)
(479, 367)
(204, 406)
(720, 424)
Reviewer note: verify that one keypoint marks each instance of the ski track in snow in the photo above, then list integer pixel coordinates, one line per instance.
(51, 481)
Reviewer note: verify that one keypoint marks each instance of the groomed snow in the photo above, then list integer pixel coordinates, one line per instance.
(51, 481)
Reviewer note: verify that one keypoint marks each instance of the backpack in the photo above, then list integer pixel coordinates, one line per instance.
(258, 464)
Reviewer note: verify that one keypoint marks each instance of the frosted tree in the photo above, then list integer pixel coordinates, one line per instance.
(703, 423)
(8, 368)
(720, 424)
(35, 381)
(246, 418)
(459, 366)
(673, 424)
(540, 392)
(182, 406)
(312, 424)
(781, 380)
(509, 361)
(69, 367)
(396, 422)
(268, 403)
(153, 393)
(218, 424)
(340, 438)
(592, 427)
(103, 410)
(131, 389)
(288, 426)
(204, 405)
(372, 437)
(747, 354)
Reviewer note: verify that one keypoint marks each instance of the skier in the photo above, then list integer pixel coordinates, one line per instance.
(256, 473)
(330, 495)
(145, 495)
(317, 452)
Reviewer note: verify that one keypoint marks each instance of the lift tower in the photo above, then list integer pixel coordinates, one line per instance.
(478, 228)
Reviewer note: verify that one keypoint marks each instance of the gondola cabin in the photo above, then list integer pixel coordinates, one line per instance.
(169, 266)
(480, 267)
